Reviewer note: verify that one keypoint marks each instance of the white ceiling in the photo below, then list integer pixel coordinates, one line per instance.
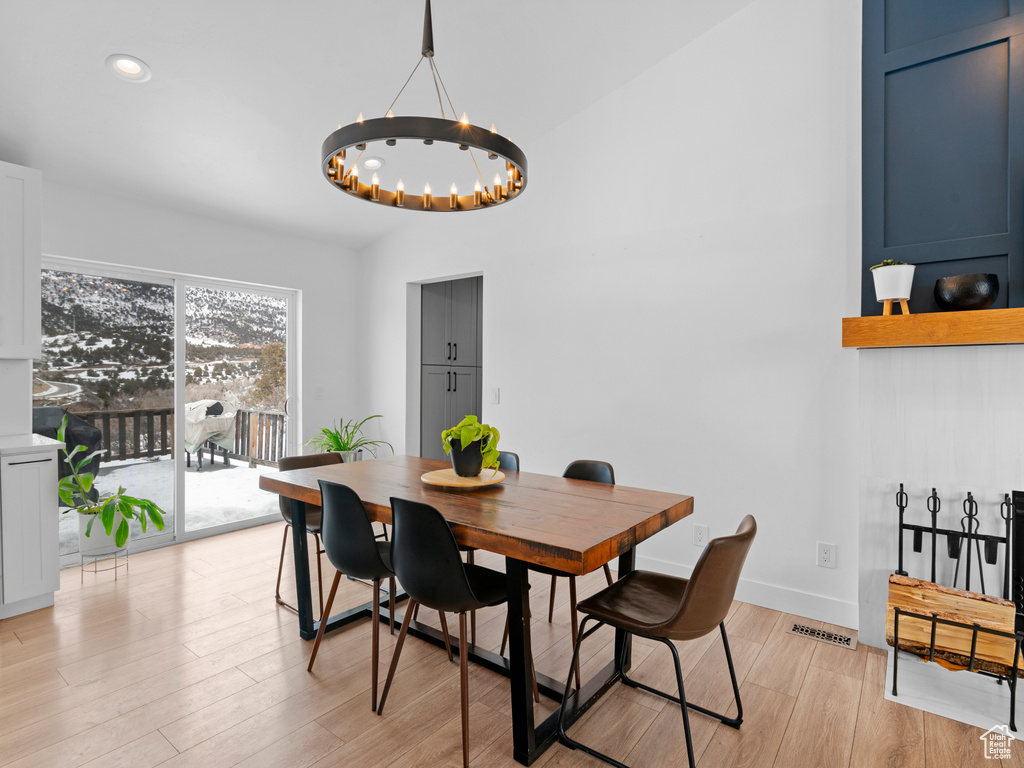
(244, 93)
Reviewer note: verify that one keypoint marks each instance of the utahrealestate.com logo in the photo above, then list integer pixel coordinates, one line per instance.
(997, 742)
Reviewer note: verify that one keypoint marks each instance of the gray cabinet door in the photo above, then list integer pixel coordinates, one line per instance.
(465, 394)
(465, 321)
(435, 321)
(435, 381)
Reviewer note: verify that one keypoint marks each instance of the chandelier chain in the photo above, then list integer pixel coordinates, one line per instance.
(433, 73)
(406, 83)
(455, 112)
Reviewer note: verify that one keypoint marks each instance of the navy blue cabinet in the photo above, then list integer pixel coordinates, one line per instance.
(943, 173)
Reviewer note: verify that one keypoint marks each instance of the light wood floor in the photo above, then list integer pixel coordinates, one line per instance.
(188, 661)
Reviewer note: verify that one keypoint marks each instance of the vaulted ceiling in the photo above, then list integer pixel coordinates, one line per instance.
(244, 93)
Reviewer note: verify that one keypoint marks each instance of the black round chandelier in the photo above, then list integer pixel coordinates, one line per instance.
(509, 182)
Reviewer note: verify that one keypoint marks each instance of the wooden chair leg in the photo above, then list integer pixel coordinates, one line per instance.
(533, 668)
(375, 644)
(280, 566)
(391, 590)
(551, 601)
(464, 688)
(398, 651)
(323, 624)
(575, 623)
(608, 574)
(504, 637)
(444, 631)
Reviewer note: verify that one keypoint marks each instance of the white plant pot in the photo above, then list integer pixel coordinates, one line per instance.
(97, 541)
(893, 283)
(350, 456)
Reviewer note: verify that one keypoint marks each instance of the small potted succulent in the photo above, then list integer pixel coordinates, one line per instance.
(893, 280)
(347, 439)
(473, 446)
(113, 510)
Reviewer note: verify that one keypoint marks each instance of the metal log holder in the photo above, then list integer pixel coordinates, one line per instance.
(1011, 511)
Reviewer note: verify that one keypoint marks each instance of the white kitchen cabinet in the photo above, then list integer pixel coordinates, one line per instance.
(20, 233)
(29, 543)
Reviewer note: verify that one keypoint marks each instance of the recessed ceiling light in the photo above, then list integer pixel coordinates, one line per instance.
(130, 68)
(373, 163)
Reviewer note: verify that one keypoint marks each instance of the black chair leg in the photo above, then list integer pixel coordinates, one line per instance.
(732, 722)
(323, 623)
(608, 574)
(682, 703)
(398, 652)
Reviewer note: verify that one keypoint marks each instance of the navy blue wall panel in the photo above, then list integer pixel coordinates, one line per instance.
(943, 120)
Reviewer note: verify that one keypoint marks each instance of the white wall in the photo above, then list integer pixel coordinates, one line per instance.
(87, 225)
(667, 295)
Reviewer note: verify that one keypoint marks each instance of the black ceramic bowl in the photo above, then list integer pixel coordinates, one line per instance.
(978, 291)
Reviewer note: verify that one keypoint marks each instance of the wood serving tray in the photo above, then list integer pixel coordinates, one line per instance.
(446, 478)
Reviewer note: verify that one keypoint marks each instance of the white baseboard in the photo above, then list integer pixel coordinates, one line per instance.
(805, 604)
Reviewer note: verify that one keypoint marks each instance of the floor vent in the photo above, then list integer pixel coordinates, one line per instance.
(832, 638)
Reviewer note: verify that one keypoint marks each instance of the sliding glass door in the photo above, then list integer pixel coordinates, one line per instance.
(108, 362)
(184, 384)
(236, 392)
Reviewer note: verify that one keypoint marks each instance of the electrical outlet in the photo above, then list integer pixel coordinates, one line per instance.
(826, 555)
(700, 535)
(319, 394)
(495, 396)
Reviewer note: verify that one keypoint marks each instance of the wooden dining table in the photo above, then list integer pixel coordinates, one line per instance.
(573, 525)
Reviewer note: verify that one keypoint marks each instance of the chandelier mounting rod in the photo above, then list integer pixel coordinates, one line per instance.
(428, 33)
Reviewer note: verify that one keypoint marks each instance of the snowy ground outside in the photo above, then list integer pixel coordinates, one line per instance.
(215, 495)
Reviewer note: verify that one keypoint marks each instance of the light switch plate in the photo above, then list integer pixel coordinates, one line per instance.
(495, 396)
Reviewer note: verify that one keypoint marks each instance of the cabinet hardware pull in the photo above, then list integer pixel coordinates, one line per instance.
(456, 374)
(449, 381)
(456, 345)
(33, 461)
(449, 351)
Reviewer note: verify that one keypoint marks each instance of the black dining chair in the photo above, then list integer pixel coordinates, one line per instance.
(353, 549)
(595, 472)
(285, 464)
(426, 560)
(667, 608)
(508, 460)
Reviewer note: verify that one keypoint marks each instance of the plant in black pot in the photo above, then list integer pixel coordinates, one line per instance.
(473, 446)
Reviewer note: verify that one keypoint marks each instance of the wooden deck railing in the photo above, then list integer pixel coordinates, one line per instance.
(145, 433)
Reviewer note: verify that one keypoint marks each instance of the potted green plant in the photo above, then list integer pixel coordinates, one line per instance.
(893, 280)
(347, 439)
(113, 510)
(472, 446)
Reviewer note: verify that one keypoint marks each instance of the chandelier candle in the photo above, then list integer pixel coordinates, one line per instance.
(400, 194)
(477, 195)
(426, 197)
(453, 197)
(375, 189)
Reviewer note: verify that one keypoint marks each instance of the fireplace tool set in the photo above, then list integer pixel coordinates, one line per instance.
(966, 630)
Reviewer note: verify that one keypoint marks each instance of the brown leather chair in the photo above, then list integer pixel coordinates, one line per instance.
(312, 519)
(667, 608)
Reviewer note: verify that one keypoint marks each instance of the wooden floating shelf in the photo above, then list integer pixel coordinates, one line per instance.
(935, 329)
